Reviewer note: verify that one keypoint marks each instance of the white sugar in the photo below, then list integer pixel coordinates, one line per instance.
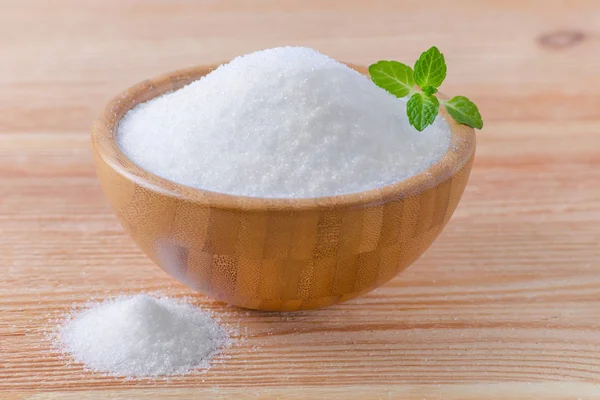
(142, 336)
(283, 122)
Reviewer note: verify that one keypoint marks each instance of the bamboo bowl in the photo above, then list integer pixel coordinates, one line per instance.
(276, 254)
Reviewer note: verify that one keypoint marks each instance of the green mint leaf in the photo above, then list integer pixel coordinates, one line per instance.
(464, 111)
(393, 76)
(429, 90)
(421, 110)
(430, 68)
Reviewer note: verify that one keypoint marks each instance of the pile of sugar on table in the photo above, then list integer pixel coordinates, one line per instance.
(142, 336)
(283, 122)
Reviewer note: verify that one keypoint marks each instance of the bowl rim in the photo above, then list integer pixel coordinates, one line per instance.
(105, 147)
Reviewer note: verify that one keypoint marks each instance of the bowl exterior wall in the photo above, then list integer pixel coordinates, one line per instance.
(281, 260)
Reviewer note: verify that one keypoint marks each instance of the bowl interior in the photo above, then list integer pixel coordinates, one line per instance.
(462, 146)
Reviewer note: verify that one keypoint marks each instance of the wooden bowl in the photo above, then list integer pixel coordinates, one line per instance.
(276, 254)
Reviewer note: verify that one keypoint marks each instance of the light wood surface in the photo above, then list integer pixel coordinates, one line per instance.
(276, 254)
(504, 305)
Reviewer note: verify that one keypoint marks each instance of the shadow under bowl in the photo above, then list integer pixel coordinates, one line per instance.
(276, 254)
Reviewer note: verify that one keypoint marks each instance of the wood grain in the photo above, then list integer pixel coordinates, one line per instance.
(505, 304)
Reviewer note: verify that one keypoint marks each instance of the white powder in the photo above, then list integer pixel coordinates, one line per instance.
(142, 336)
(283, 122)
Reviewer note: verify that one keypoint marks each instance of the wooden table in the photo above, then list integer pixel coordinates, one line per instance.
(505, 304)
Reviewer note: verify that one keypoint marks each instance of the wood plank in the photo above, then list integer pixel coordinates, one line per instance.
(514, 391)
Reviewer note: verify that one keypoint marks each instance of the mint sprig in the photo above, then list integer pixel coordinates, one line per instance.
(422, 107)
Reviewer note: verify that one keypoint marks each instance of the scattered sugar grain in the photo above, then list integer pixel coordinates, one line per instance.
(280, 123)
(142, 336)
